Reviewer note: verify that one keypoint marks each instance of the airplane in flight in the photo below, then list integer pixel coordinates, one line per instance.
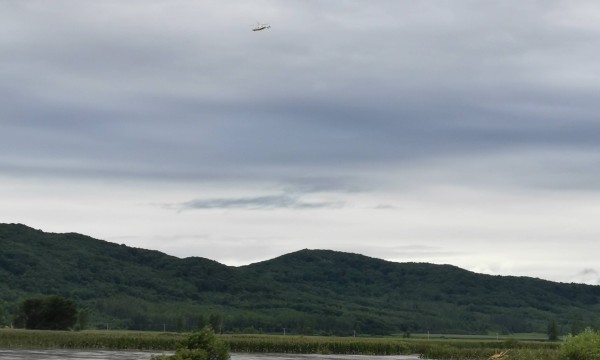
(259, 27)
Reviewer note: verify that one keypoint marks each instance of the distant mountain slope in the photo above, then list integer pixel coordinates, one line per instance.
(85, 268)
(308, 291)
(427, 296)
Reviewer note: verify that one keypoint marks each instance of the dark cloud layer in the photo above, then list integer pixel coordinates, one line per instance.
(424, 80)
(147, 91)
(282, 201)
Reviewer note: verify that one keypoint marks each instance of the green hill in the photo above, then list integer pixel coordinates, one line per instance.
(308, 291)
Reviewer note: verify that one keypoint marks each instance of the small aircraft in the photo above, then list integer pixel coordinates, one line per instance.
(259, 27)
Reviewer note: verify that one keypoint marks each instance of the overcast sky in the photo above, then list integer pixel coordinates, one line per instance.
(458, 132)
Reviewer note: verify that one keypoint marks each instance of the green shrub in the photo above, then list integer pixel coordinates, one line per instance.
(201, 345)
(585, 346)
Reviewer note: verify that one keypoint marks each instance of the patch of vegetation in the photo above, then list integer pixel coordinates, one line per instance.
(585, 346)
(201, 345)
(91, 339)
(47, 313)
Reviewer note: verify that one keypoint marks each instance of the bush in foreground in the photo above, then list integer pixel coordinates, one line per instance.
(201, 345)
(585, 346)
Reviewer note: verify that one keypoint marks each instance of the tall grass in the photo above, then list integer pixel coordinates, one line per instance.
(115, 340)
(430, 349)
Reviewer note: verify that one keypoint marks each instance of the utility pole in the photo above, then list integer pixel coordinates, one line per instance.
(283, 331)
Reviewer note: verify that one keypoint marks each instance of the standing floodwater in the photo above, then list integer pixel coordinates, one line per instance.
(132, 355)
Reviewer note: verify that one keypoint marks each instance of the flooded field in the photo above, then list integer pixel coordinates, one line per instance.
(136, 355)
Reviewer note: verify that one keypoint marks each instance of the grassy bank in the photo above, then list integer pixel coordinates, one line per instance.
(432, 349)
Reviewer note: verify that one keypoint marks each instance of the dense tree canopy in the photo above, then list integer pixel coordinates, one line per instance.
(49, 313)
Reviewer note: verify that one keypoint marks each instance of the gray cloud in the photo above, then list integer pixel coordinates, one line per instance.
(588, 271)
(587, 275)
(282, 201)
(419, 81)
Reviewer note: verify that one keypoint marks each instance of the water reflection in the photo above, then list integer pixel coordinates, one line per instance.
(136, 355)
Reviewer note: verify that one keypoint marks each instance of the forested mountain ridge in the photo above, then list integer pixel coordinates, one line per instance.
(308, 291)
